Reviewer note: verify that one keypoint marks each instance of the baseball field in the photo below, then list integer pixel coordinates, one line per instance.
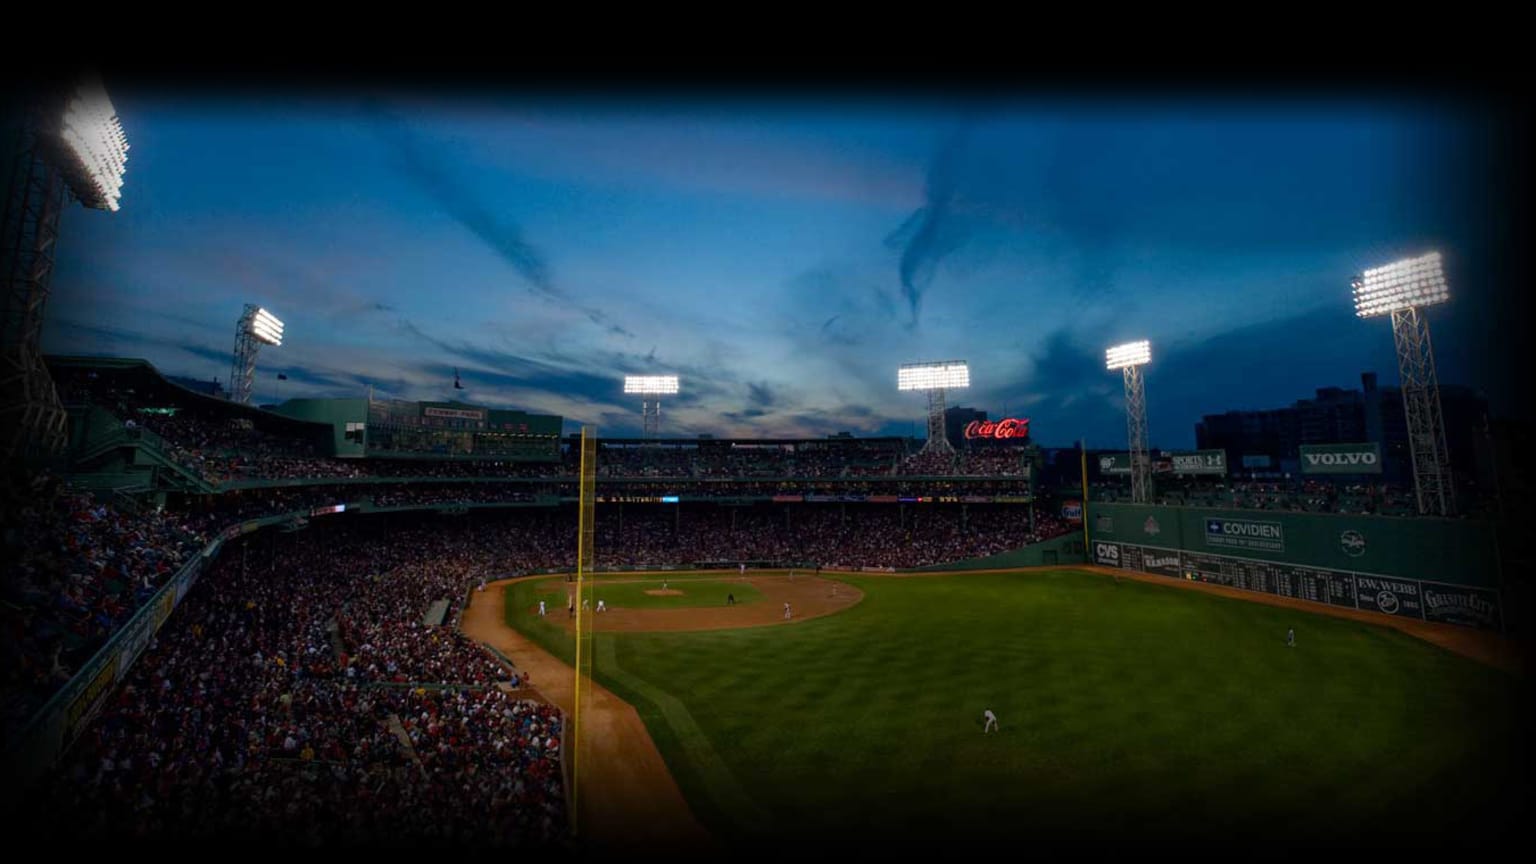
(1127, 710)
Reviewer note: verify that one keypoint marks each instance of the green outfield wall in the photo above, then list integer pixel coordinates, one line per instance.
(1442, 570)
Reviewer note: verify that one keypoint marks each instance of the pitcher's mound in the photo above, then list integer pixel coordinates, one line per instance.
(663, 592)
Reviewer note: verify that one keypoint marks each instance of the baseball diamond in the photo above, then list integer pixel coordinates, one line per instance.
(1095, 680)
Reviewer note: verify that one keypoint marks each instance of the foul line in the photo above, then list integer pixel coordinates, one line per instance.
(719, 783)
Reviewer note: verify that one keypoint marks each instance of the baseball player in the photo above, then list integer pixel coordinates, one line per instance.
(541, 608)
(1290, 637)
(730, 599)
(743, 570)
(602, 606)
(586, 603)
(991, 723)
(787, 613)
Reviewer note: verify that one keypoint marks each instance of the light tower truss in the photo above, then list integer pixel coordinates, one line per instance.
(934, 378)
(1403, 289)
(1129, 358)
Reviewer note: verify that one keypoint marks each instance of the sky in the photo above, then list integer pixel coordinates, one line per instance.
(783, 257)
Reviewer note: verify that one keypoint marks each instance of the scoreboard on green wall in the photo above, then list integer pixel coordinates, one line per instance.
(1437, 570)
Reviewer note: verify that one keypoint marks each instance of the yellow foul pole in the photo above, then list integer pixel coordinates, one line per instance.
(585, 534)
(1082, 449)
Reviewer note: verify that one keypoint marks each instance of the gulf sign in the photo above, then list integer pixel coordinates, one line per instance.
(1012, 427)
(1072, 511)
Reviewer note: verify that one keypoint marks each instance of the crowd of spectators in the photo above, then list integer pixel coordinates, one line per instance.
(264, 712)
(227, 450)
(75, 571)
(1294, 495)
(931, 463)
(413, 494)
(832, 535)
(993, 462)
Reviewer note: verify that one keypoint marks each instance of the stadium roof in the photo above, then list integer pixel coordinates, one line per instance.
(141, 367)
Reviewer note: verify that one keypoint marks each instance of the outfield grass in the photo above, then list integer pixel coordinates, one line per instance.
(1127, 709)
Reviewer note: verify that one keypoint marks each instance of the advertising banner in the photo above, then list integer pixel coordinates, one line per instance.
(84, 705)
(1199, 462)
(1341, 458)
(1106, 554)
(1162, 561)
(1245, 534)
(1114, 463)
(1011, 427)
(1456, 604)
(454, 413)
(1260, 461)
(1072, 511)
(1392, 596)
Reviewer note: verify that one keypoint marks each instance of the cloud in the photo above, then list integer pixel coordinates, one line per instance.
(499, 234)
(760, 395)
(930, 233)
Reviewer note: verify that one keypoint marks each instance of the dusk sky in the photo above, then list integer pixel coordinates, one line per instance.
(784, 257)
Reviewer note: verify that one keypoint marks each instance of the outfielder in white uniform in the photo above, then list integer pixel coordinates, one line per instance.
(787, 613)
(602, 606)
(743, 570)
(991, 721)
(541, 608)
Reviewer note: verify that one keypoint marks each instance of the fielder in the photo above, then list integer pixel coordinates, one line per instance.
(1290, 637)
(602, 606)
(787, 613)
(743, 570)
(541, 608)
(991, 723)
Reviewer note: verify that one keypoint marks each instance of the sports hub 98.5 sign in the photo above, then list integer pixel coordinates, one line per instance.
(1199, 462)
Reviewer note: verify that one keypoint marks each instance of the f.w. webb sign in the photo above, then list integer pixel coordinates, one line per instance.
(1341, 458)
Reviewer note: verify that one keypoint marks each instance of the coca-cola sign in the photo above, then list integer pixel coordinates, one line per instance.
(1011, 427)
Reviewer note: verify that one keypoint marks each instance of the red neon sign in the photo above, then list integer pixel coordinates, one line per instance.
(1009, 428)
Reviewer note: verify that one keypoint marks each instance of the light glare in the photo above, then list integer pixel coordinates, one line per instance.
(940, 375)
(1128, 354)
(650, 384)
(96, 147)
(1400, 285)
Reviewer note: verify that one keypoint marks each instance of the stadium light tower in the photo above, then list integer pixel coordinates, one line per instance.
(650, 409)
(256, 327)
(1129, 358)
(1401, 289)
(66, 141)
(934, 378)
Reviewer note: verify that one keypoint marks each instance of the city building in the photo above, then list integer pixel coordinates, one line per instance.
(1267, 442)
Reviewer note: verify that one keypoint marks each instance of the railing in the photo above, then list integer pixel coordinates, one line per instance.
(67, 713)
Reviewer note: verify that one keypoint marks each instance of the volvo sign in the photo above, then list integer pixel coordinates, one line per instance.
(1341, 458)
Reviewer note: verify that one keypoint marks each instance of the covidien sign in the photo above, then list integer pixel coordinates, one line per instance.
(1245, 534)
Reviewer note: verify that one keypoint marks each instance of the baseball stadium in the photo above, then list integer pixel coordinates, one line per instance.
(373, 621)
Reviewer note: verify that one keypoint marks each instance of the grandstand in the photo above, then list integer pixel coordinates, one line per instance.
(371, 521)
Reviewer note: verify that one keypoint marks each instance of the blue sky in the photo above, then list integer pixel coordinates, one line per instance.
(783, 258)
